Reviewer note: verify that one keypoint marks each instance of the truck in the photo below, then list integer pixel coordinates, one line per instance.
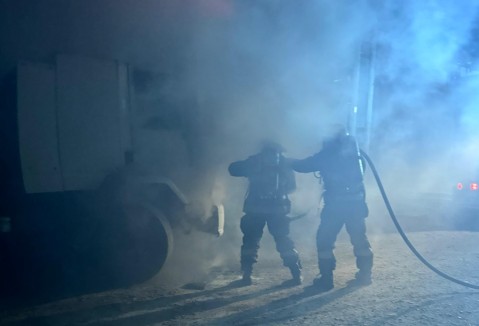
(100, 171)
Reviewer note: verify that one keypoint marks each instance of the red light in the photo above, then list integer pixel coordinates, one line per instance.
(474, 186)
(459, 186)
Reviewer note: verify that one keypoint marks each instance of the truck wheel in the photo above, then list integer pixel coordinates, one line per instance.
(148, 243)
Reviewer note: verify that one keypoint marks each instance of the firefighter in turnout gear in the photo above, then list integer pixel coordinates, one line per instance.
(341, 169)
(271, 179)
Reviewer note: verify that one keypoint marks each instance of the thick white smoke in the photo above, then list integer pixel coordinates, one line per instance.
(285, 70)
(240, 71)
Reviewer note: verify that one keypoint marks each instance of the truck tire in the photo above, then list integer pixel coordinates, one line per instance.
(151, 243)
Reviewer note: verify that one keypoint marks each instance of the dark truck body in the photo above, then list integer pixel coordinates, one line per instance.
(88, 199)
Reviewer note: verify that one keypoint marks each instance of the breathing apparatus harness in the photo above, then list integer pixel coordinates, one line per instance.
(403, 235)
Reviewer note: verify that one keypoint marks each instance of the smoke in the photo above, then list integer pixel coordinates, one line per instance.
(290, 74)
(426, 45)
(285, 71)
(228, 74)
(424, 102)
(272, 70)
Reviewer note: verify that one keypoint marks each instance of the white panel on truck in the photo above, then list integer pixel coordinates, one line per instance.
(89, 120)
(37, 128)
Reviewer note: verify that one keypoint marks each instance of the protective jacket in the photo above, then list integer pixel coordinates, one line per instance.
(270, 178)
(340, 166)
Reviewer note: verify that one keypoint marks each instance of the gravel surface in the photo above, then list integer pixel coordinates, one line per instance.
(404, 292)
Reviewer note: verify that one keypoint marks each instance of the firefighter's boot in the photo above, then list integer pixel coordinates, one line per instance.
(364, 264)
(246, 279)
(325, 281)
(297, 278)
(296, 274)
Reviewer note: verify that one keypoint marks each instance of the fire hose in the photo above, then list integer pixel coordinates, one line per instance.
(403, 235)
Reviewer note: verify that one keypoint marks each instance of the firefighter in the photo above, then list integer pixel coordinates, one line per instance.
(271, 179)
(341, 170)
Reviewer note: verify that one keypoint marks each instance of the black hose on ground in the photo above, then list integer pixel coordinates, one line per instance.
(403, 235)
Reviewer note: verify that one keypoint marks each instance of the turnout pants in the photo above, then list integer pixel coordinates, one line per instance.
(333, 217)
(252, 226)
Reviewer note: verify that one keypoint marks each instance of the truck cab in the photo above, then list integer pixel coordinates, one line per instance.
(100, 176)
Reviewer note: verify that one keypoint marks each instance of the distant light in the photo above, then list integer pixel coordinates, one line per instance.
(474, 186)
(459, 186)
